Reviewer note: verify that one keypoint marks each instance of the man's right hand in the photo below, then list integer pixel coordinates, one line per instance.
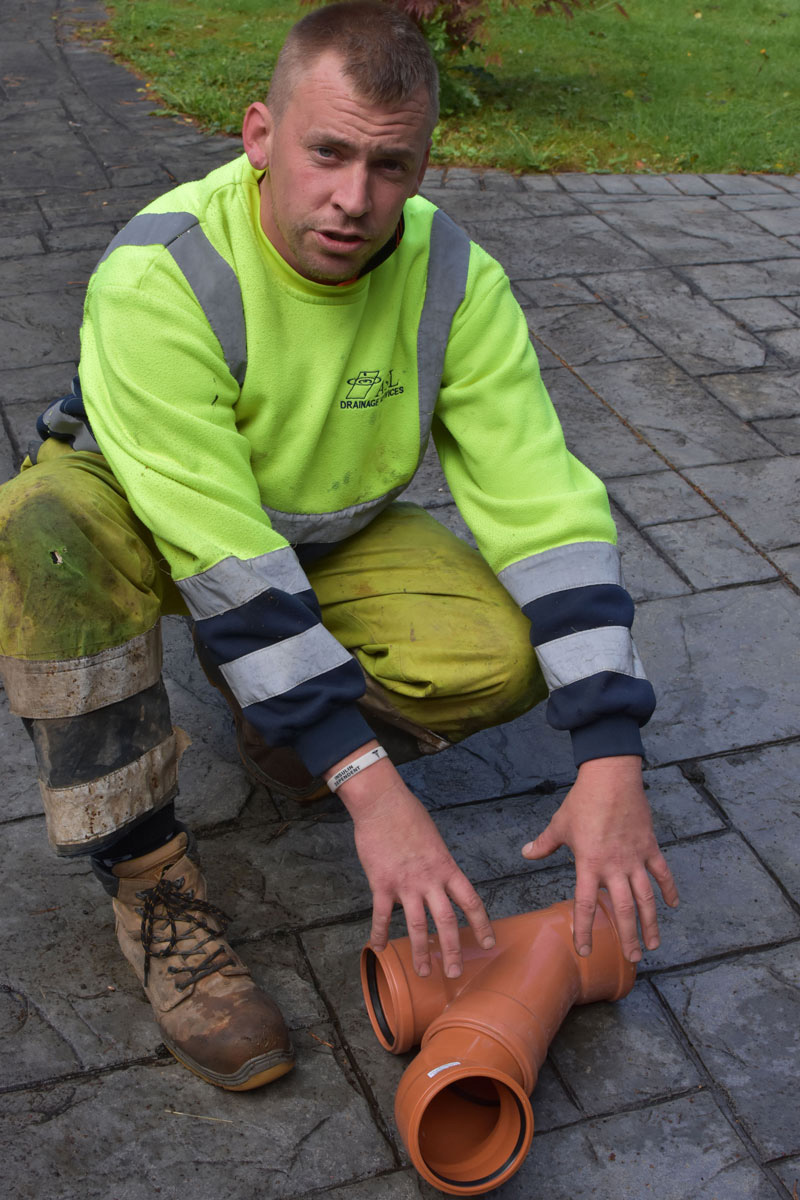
(406, 860)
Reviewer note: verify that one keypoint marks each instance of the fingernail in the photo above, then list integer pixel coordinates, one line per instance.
(653, 944)
(453, 971)
(488, 942)
(424, 970)
(635, 956)
(584, 951)
(526, 848)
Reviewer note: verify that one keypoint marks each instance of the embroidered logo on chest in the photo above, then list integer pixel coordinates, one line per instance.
(368, 389)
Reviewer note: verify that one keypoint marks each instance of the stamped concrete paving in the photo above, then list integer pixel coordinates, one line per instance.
(666, 312)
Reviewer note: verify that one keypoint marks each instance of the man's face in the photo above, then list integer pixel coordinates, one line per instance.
(339, 170)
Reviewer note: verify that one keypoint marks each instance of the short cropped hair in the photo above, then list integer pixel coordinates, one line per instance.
(383, 53)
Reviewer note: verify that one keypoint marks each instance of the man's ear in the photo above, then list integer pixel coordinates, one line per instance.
(257, 135)
(423, 168)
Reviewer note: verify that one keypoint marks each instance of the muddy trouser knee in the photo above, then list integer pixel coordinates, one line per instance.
(83, 589)
(440, 640)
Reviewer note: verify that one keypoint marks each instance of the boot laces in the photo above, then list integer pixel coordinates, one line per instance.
(165, 905)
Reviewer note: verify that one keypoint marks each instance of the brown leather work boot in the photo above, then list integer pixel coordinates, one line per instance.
(211, 1015)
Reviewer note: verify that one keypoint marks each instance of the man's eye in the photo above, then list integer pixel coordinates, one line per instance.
(323, 152)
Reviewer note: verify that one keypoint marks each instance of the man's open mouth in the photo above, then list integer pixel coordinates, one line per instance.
(337, 237)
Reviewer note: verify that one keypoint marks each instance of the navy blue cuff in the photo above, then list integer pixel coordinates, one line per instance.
(339, 733)
(606, 738)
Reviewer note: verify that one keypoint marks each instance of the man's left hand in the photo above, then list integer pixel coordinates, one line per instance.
(605, 821)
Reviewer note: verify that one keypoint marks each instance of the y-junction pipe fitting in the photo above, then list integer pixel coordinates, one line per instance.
(462, 1107)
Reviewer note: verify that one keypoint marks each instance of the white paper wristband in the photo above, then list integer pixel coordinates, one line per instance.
(353, 768)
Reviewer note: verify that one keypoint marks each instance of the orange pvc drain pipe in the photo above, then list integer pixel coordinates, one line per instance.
(462, 1107)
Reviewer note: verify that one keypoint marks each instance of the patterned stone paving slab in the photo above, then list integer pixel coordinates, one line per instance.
(524, 754)
(613, 1054)
(646, 573)
(789, 1172)
(781, 220)
(728, 903)
(742, 1019)
(68, 270)
(552, 293)
(704, 707)
(732, 281)
(782, 432)
(660, 496)
(743, 185)
(593, 433)
(36, 385)
(81, 237)
(64, 211)
(694, 231)
(760, 496)
(43, 150)
(758, 394)
(589, 333)
(40, 329)
(20, 245)
(759, 792)
(21, 796)
(310, 1129)
(692, 331)
(789, 561)
(649, 1152)
(563, 245)
(710, 553)
(477, 209)
(674, 412)
(786, 344)
(743, 203)
(400, 1185)
(761, 313)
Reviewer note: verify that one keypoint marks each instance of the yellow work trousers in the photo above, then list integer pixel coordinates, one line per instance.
(84, 585)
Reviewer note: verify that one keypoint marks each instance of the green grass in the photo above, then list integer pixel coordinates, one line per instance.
(676, 87)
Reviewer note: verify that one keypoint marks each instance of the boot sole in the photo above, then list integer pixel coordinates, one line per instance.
(253, 1074)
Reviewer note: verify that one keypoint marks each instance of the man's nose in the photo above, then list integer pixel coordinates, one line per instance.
(352, 193)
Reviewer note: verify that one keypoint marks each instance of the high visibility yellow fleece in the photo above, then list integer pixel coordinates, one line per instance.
(232, 468)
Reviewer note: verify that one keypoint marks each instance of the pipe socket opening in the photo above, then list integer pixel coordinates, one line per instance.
(380, 1001)
(474, 1131)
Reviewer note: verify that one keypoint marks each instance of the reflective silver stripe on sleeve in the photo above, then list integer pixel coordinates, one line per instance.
(581, 564)
(580, 655)
(276, 669)
(234, 581)
(299, 528)
(211, 278)
(448, 267)
(62, 423)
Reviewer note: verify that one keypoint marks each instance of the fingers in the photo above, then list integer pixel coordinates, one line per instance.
(657, 866)
(464, 895)
(625, 918)
(545, 844)
(417, 925)
(645, 903)
(447, 928)
(583, 911)
(381, 915)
